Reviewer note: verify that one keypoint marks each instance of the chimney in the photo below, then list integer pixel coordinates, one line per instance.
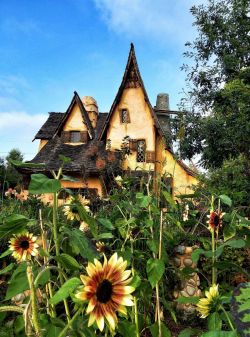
(162, 102)
(91, 107)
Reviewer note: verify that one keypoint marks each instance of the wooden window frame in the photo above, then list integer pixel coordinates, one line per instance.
(75, 133)
(122, 117)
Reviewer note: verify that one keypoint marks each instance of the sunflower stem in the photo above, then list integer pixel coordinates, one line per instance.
(35, 318)
(71, 321)
(12, 308)
(135, 299)
(49, 289)
(228, 318)
(56, 241)
(213, 259)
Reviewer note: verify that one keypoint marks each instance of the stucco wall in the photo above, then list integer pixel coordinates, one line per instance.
(75, 121)
(42, 143)
(141, 126)
(166, 164)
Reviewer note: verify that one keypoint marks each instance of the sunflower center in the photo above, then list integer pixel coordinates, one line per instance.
(216, 220)
(104, 291)
(24, 244)
(74, 209)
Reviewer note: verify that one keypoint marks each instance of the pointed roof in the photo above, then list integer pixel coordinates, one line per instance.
(76, 100)
(131, 79)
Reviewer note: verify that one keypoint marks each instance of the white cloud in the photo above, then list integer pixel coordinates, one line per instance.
(164, 20)
(17, 130)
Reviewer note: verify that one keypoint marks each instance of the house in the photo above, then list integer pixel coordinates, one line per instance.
(94, 140)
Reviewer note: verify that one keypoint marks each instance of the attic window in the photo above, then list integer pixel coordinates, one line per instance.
(124, 116)
(141, 147)
(75, 137)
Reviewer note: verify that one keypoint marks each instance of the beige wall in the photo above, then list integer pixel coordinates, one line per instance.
(166, 164)
(141, 126)
(42, 143)
(91, 182)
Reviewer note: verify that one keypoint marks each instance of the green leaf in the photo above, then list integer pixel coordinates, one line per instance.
(66, 289)
(229, 231)
(153, 245)
(53, 330)
(220, 334)
(7, 269)
(127, 329)
(191, 300)
(68, 261)
(240, 305)
(26, 165)
(106, 223)
(136, 281)
(155, 270)
(64, 159)
(44, 278)
(18, 282)
(40, 184)
(68, 178)
(143, 200)
(154, 329)
(77, 238)
(188, 332)
(168, 197)
(225, 199)
(13, 224)
(214, 322)
(6, 253)
(104, 236)
(196, 254)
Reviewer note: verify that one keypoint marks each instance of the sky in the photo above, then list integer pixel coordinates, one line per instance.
(50, 48)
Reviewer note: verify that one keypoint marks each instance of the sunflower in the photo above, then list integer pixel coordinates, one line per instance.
(106, 290)
(23, 245)
(215, 220)
(71, 210)
(210, 303)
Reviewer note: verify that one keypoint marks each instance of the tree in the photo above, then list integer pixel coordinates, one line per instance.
(218, 84)
(12, 176)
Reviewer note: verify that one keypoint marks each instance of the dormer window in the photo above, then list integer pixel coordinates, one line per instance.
(75, 136)
(124, 116)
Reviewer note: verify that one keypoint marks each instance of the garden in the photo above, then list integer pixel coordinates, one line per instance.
(133, 264)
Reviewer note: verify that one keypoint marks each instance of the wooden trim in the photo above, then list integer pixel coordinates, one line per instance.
(133, 144)
(84, 136)
(65, 136)
(150, 156)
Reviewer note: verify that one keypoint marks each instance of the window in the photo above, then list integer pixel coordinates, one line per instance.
(75, 136)
(124, 116)
(141, 146)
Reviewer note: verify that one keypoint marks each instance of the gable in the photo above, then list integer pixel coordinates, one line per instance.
(131, 80)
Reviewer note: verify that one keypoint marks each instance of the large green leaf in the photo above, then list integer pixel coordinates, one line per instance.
(225, 199)
(40, 184)
(154, 329)
(26, 165)
(143, 200)
(106, 223)
(7, 269)
(66, 289)
(240, 308)
(78, 239)
(18, 282)
(220, 334)
(185, 300)
(214, 322)
(155, 270)
(127, 329)
(68, 261)
(13, 224)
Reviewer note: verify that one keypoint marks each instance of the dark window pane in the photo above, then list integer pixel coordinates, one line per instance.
(75, 136)
(141, 146)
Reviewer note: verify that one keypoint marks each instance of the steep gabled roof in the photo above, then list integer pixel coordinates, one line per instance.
(131, 79)
(76, 100)
(49, 127)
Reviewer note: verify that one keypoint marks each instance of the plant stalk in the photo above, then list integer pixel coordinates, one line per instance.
(12, 308)
(135, 299)
(35, 318)
(213, 260)
(228, 318)
(56, 241)
(71, 321)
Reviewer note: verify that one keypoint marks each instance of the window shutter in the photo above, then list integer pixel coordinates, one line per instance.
(65, 136)
(84, 136)
(133, 144)
(150, 156)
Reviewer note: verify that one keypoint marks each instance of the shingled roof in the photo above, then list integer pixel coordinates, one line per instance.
(85, 158)
(49, 127)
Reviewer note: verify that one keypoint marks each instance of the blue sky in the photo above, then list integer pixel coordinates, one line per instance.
(50, 48)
